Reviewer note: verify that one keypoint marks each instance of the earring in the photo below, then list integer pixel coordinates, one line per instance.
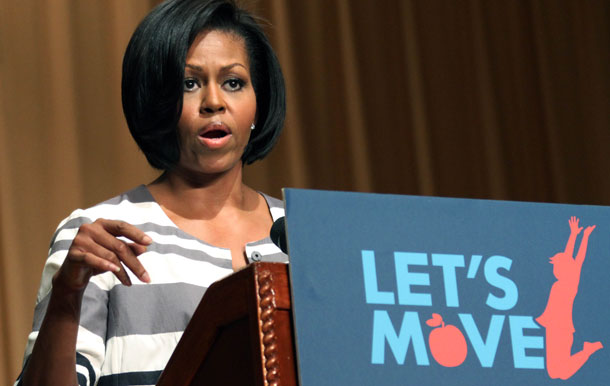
(252, 126)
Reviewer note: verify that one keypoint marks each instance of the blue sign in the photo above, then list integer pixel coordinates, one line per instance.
(402, 290)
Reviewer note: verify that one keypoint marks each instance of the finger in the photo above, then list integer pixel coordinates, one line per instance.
(120, 250)
(100, 264)
(99, 238)
(79, 266)
(121, 228)
(137, 249)
(110, 256)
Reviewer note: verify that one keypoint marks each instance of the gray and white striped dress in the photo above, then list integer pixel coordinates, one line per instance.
(127, 334)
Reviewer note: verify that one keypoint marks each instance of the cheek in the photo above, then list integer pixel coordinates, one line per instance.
(248, 115)
(187, 111)
(188, 116)
(183, 127)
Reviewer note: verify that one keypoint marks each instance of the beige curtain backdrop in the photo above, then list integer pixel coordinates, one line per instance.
(465, 98)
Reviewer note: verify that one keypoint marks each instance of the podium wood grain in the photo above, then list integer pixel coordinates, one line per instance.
(240, 334)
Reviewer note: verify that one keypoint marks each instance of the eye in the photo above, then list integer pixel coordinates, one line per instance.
(234, 84)
(190, 84)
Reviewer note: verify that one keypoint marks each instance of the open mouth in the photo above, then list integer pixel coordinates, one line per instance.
(214, 134)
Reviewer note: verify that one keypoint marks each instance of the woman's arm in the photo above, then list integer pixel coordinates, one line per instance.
(53, 359)
(574, 231)
(94, 250)
(582, 250)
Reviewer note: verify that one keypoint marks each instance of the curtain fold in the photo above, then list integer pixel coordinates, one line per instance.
(480, 99)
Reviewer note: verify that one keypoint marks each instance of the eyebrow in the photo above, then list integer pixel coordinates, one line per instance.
(223, 68)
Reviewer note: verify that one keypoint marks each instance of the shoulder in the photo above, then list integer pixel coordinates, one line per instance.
(132, 206)
(276, 206)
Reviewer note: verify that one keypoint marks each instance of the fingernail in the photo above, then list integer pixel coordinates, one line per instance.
(114, 268)
(145, 277)
(147, 239)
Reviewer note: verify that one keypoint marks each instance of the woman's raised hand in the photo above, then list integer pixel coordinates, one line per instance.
(588, 230)
(97, 249)
(574, 228)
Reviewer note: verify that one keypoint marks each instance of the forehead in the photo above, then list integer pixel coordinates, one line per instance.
(217, 46)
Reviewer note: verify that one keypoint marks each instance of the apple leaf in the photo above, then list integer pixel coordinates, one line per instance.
(436, 320)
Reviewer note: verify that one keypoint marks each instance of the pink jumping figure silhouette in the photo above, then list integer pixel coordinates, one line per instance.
(557, 317)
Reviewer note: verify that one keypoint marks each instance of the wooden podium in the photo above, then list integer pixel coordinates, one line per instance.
(240, 334)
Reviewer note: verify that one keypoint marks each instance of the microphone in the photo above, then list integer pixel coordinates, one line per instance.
(278, 234)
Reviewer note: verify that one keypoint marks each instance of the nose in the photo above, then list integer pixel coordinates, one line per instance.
(212, 101)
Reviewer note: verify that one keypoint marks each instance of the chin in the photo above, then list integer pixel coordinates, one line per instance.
(213, 168)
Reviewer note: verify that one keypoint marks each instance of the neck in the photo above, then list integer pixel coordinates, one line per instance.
(202, 196)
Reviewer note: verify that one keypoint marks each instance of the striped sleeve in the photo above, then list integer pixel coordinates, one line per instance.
(92, 330)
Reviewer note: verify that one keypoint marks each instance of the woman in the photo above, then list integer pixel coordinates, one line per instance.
(202, 94)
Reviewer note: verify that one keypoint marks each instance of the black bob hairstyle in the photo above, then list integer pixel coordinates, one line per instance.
(153, 76)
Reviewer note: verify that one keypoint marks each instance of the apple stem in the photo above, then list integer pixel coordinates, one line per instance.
(442, 324)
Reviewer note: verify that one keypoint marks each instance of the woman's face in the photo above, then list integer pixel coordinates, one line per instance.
(219, 104)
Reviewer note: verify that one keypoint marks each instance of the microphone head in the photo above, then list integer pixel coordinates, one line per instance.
(278, 234)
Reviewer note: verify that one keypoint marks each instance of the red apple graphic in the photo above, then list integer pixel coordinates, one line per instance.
(447, 343)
